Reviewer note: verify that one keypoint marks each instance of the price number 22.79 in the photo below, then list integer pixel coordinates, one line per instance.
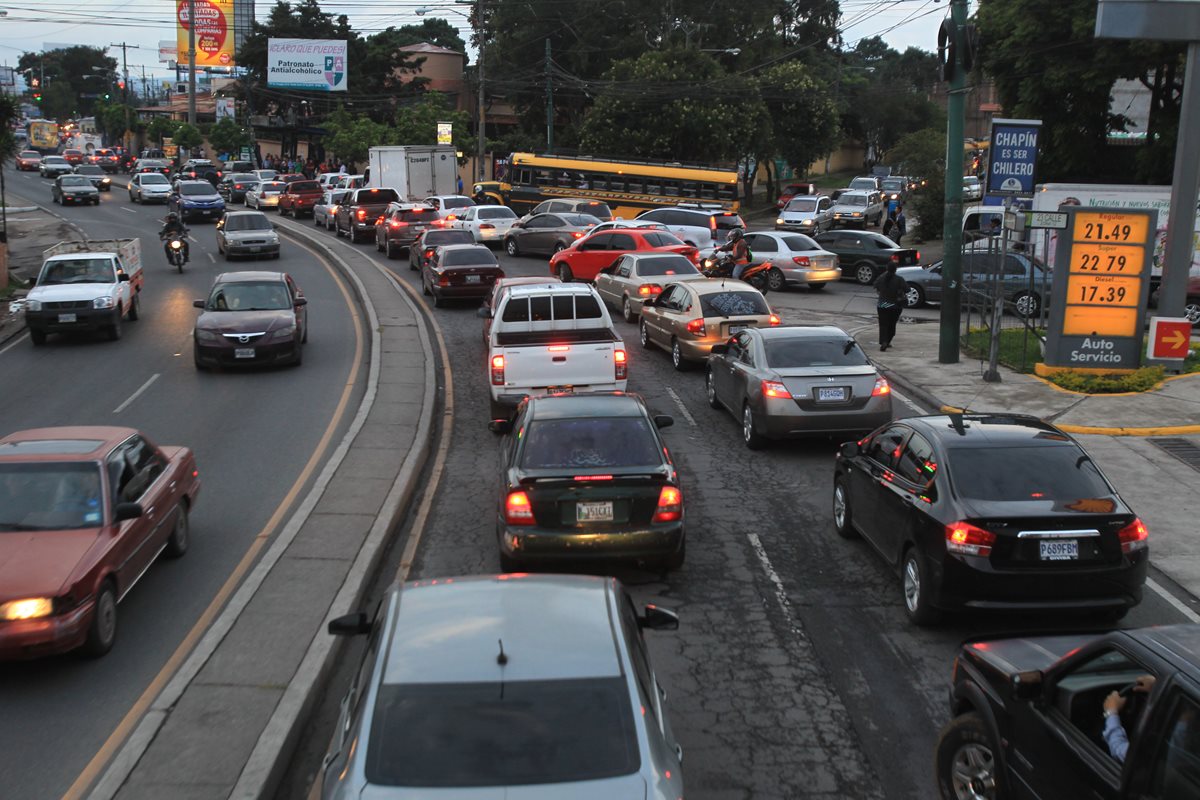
(1094, 262)
(1101, 294)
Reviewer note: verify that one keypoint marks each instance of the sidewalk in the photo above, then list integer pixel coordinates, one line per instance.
(31, 229)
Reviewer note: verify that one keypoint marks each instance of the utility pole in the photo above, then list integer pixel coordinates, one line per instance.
(192, 62)
(549, 103)
(125, 84)
(480, 145)
(952, 44)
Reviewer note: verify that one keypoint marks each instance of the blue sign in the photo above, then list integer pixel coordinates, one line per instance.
(1012, 156)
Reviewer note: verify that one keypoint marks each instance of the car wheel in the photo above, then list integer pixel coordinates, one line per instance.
(200, 366)
(710, 389)
(843, 522)
(102, 632)
(37, 337)
(644, 335)
(966, 761)
(378, 246)
(559, 247)
(1027, 304)
(677, 359)
(627, 310)
(114, 330)
(437, 300)
(915, 583)
(298, 358)
(511, 247)
(337, 229)
(753, 439)
(864, 273)
(177, 544)
(775, 280)
(389, 251)
(135, 307)
(1192, 310)
(564, 272)
(914, 296)
(424, 287)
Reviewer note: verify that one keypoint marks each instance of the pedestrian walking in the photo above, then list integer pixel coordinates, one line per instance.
(460, 184)
(890, 289)
(888, 225)
(901, 226)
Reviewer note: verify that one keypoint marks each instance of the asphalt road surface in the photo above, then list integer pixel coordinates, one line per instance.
(794, 673)
(253, 433)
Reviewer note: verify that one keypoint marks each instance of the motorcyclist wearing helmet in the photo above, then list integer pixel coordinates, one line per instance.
(737, 247)
(173, 226)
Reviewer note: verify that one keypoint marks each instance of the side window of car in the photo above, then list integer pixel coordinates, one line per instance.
(1080, 691)
(654, 216)
(824, 204)
(1176, 764)
(745, 349)
(637, 655)
(850, 243)
(764, 244)
(1014, 266)
(674, 296)
(551, 221)
(885, 448)
(917, 464)
(624, 268)
(622, 241)
(597, 242)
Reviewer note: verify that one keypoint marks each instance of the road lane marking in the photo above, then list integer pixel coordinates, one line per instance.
(14, 343)
(1175, 602)
(136, 394)
(682, 408)
(210, 258)
(781, 596)
(127, 208)
(910, 403)
(129, 722)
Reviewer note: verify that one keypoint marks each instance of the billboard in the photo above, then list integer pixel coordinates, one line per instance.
(214, 32)
(224, 108)
(316, 64)
(168, 50)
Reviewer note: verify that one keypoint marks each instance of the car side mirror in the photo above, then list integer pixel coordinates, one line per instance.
(719, 349)
(658, 619)
(500, 426)
(301, 301)
(123, 277)
(850, 450)
(198, 303)
(125, 511)
(518, 224)
(1028, 685)
(483, 312)
(350, 625)
(663, 420)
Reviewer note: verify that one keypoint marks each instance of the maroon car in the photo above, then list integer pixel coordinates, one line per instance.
(299, 198)
(84, 512)
(251, 318)
(460, 272)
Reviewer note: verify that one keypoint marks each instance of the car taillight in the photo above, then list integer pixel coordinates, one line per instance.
(622, 366)
(895, 259)
(649, 289)
(429, 254)
(361, 213)
(219, 173)
(486, 226)
(918, 256)
(578, 234)
(397, 224)
(801, 261)
(237, 186)
(670, 505)
(443, 279)
(968, 540)
(776, 390)
(775, 320)
(882, 387)
(498, 370)
(1133, 536)
(517, 509)
(450, 217)
(696, 327)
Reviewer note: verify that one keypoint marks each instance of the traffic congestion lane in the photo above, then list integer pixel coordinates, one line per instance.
(253, 433)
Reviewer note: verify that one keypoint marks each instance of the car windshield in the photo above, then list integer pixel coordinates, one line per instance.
(195, 189)
(666, 265)
(893, 185)
(473, 256)
(730, 304)
(800, 242)
(970, 181)
(50, 496)
(54, 160)
(596, 442)
(1062, 474)
(74, 180)
(582, 220)
(802, 204)
(30, 154)
(496, 213)
(808, 352)
(78, 270)
(854, 200)
(502, 734)
(247, 222)
(249, 296)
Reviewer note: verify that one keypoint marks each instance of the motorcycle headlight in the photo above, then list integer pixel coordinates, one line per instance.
(203, 335)
(176, 244)
(103, 302)
(285, 333)
(33, 305)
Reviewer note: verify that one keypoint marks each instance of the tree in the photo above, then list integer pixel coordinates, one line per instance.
(60, 102)
(226, 136)
(887, 93)
(10, 112)
(111, 118)
(159, 128)
(186, 137)
(350, 136)
(67, 74)
(923, 153)
(417, 123)
(804, 117)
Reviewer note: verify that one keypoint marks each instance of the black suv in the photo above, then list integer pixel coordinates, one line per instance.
(864, 255)
(200, 170)
(401, 224)
(1028, 718)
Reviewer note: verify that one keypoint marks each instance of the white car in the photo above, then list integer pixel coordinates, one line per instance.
(800, 259)
(626, 224)
(636, 277)
(449, 205)
(328, 179)
(326, 208)
(486, 223)
(972, 189)
(266, 174)
(265, 194)
(700, 225)
(149, 187)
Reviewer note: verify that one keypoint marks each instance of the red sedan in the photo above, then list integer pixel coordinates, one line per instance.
(585, 257)
(793, 189)
(28, 160)
(73, 156)
(84, 512)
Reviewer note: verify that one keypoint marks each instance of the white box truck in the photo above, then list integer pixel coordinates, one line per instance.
(414, 171)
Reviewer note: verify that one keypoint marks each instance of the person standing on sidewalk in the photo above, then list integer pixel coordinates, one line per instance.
(890, 289)
(899, 226)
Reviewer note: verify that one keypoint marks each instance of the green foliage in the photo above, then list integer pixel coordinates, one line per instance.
(68, 74)
(9, 112)
(187, 136)
(417, 123)
(887, 93)
(804, 117)
(60, 102)
(1140, 380)
(923, 154)
(352, 135)
(111, 117)
(159, 128)
(226, 136)
(1019, 350)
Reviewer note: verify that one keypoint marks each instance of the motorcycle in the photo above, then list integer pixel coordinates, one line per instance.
(720, 264)
(177, 251)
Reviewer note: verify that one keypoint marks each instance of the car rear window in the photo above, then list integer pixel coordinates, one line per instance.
(416, 215)
(457, 202)
(802, 204)
(272, 187)
(546, 307)
(800, 242)
(511, 734)
(595, 209)
(50, 496)
(305, 186)
(448, 237)
(666, 265)
(153, 177)
(474, 256)
(807, 352)
(496, 213)
(727, 221)
(1062, 474)
(595, 442)
(663, 239)
(376, 196)
(580, 219)
(730, 304)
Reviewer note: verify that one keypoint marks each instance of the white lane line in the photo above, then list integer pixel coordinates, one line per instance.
(910, 403)
(136, 394)
(192, 240)
(1179, 605)
(14, 343)
(780, 593)
(210, 258)
(127, 208)
(682, 408)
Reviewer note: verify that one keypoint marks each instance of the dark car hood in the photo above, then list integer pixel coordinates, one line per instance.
(1010, 656)
(40, 563)
(245, 321)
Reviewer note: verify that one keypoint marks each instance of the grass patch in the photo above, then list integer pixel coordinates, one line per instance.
(1019, 350)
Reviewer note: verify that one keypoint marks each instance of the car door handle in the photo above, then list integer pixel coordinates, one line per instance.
(172, 484)
(150, 511)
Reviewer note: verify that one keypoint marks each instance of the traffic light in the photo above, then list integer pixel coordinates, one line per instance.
(36, 83)
(106, 95)
(121, 85)
(37, 97)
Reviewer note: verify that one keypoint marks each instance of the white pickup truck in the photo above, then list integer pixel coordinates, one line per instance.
(85, 286)
(551, 337)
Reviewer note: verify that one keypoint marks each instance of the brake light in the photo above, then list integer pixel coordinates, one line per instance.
(882, 387)
(218, 173)
(517, 509)
(648, 289)
(498, 370)
(397, 223)
(1133, 537)
(775, 320)
(622, 366)
(361, 213)
(918, 256)
(968, 540)
(429, 254)
(776, 390)
(486, 226)
(895, 259)
(237, 186)
(696, 327)
(578, 234)
(450, 217)
(670, 505)
(712, 222)
(801, 261)
(558, 348)
(593, 477)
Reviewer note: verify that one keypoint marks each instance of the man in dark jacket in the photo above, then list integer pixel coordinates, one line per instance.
(890, 289)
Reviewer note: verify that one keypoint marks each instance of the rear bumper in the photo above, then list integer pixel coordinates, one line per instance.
(783, 419)
(810, 275)
(472, 291)
(509, 396)
(542, 544)
(35, 638)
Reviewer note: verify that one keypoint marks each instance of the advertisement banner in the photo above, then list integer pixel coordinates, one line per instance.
(224, 108)
(445, 133)
(168, 49)
(316, 64)
(214, 32)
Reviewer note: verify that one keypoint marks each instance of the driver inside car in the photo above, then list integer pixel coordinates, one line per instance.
(1114, 732)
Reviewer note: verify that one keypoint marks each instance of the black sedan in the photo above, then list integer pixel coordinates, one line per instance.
(460, 272)
(588, 477)
(863, 255)
(420, 251)
(96, 175)
(990, 512)
(233, 186)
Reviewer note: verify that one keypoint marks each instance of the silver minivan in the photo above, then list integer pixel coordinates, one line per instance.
(806, 214)
(521, 686)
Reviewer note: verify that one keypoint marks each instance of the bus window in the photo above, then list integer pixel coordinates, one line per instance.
(653, 186)
(726, 191)
(583, 181)
(542, 177)
(671, 188)
(523, 176)
(564, 178)
(616, 183)
(708, 191)
(688, 188)
(599, 181)
(633, 185)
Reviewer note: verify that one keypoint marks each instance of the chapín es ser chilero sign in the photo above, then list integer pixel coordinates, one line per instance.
(214, 32)
(315, 64)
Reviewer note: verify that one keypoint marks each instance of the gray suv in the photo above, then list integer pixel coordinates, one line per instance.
(856, 209)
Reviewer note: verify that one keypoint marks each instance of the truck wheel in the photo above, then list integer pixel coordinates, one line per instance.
(114, 330)
(37, 337)
(965, 760)
(135, 307)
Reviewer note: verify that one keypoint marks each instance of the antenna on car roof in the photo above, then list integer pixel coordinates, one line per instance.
(956, 422)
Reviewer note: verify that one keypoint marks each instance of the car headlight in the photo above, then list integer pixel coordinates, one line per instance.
(203, 335)
(285, 333)
(106, 180)
(806, 222)
(33, 305)
(856, 214)
(103, 302)
(31, 608)
(779, 221)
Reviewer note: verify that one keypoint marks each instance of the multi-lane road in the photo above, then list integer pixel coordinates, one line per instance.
(794, 674)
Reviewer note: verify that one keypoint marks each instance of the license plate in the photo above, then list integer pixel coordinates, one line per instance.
(601, 511)
(831, 394)
(560, 390)
(66, 317)
(474, 278)
(1059, 549)
(255, 249)
(736, 329)
(243, 352)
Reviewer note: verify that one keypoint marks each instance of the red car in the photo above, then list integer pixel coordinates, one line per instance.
(793, 189)
(299, 198)
(84, 512)
(585, 257)
(73, 156)
(28, 160)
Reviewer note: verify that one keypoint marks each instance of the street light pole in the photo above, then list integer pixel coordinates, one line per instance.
(480, 144)
(191, 54)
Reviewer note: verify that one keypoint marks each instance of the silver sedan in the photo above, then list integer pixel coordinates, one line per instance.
(800, 259)
(797, 380)
(326, 208)
(635, 277)
(265, 194)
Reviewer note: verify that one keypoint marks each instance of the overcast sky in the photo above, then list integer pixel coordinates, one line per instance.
(34, 24)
